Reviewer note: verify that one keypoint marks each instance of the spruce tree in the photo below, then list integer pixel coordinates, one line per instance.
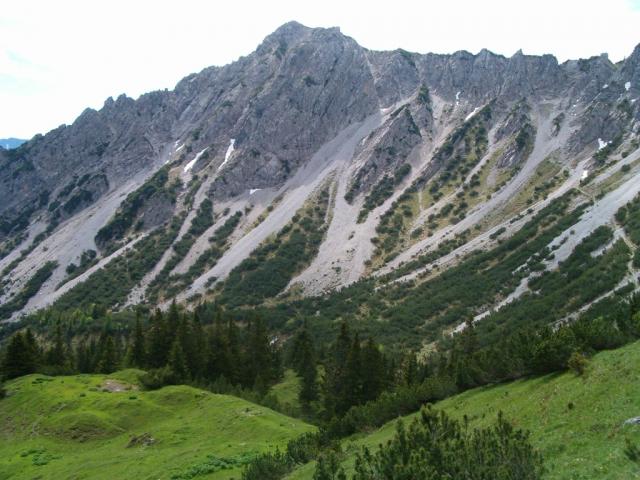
(57, 355)
(336, 371)
(351, 393)
(373, 370)
(178, 362)
(109, 359)
(159, 341)
(32, 346)
(137, 353)
(308, 372)
(218, 361)
(18, 358)
(259, 354)
(198, 343)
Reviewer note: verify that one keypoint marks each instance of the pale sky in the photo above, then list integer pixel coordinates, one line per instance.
(59, 57)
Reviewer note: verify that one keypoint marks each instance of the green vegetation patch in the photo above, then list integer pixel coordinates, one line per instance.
(202, 220)
(269, 268)
(29, 290)
(70, 427)
(127, 213)
(111, 284)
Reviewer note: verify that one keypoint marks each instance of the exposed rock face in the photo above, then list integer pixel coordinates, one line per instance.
(281, 103)
(251, 131)
(387, 149)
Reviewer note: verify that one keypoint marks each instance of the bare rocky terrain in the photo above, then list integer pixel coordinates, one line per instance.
(449, 145)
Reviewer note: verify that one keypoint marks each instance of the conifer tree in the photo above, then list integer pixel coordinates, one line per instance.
(137, 353)
(199, 346)
(304, 359)
(57, 355)
(259, 354)
(109, 358)
(18, 358)
(218, 361)
(352, 390)
(159, 341)
(336, 371)
(32, 345)
(178, 362)
(373, 371)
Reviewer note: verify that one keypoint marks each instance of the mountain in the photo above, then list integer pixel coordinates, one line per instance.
(342, 235)
(313, 165)
(9, 143)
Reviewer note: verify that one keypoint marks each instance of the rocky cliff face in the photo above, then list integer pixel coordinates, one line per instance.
(312, 106)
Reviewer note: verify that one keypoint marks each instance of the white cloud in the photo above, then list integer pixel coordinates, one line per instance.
(56, 58)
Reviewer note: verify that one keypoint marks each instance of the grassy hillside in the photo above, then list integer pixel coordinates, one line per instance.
(81, 427)
(576, 422)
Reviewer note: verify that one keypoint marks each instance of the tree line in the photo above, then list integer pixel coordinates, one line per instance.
(171, 347)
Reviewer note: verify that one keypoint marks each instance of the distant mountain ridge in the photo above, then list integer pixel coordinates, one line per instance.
(9, 143)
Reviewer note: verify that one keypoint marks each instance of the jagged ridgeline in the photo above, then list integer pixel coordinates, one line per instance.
(419, 154)
(336, 233)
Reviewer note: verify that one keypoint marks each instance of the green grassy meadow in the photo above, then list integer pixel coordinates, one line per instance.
(73, 427)
(576, 422)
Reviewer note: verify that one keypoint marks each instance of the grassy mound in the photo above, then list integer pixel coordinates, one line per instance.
(96, 426)
(577, 423)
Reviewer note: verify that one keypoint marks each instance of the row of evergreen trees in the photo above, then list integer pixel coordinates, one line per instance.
(173, 347)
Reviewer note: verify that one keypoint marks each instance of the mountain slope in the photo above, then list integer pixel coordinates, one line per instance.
(577, 423)
(418, 153)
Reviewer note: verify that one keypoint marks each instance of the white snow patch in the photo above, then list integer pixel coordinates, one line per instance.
(606, 85)
(227, 155)
(179, 148)
(254, 190)
(627, 86)
(384, 111)
(602, 144)
(458, 98)
(585, 174)
(475, 110)
(190, 165)
(634, 100)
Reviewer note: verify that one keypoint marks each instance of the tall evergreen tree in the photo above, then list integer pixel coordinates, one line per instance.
(137, 352)
(57, 355)
(308, 371)
(218, 361)
(351, 393)
(198, 342)
(373, 370)
(336, 371)
(159, 341)
(259, 354)
(109, 358)
(178, 362)
(18, 358)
